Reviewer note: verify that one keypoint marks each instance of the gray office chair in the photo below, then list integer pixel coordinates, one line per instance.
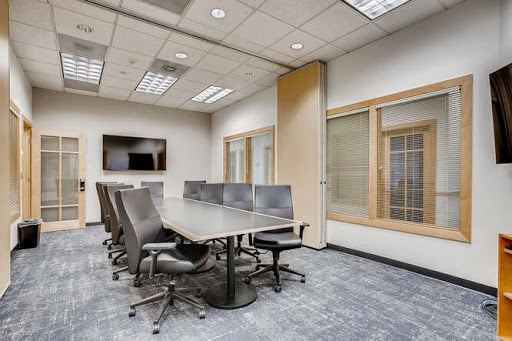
(192, 189)
(99, 190)
(156, 188)
(118, 237)
(239, 195)
(276, 200)
(147, 253)
(212, 193)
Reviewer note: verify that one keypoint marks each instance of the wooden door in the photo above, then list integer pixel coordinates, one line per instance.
(58, 179)
(26, 169)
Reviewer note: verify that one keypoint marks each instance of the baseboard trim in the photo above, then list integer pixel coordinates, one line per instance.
(93, 223)
(5, 289)
(420, 270)
(14, 249)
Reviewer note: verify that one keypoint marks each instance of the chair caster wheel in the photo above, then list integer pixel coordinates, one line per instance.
(199, 293)
(303, 280)
(132, 312)
(109, 256)
(247, 280)
(202, 314)
(257, 253)
(104, 242)
(258, 260)
(217, 257)
(114, 262)
(258, 267)
(136, 284)
(156, 328)
(109, 247)
(277, 288)
(115, 277)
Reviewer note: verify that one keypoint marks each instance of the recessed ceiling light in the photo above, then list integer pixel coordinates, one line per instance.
(81, 68)
(84, 28)
(212, 94)
(155, 83)
(181, 55)
(375, 8)
(296, 46)
(217, 13)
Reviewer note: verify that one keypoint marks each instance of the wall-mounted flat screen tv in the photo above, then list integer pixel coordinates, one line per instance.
(129, 153)
(501, 96)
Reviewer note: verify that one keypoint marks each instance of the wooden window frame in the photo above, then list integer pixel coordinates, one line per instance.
(463, 233)
(14, 109)
(247, 151)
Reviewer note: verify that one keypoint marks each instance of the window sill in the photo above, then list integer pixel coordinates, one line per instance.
(461, 235)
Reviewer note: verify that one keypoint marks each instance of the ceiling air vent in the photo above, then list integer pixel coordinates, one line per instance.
(175, 6)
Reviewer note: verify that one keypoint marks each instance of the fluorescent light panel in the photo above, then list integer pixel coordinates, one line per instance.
(81, 68)
(155, 83)
(212, 94)
(375, 8)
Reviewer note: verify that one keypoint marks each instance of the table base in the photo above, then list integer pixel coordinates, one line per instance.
(217, 296)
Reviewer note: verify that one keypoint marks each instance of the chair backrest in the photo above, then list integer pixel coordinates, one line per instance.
(141, 223)
(192, 189)
(274, 200)
(110, 202)
(238, 195)
(212, 193)
(156, 188)
(99, 190)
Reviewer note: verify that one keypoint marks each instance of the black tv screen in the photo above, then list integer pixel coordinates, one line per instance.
(123, 153)
(501, 96)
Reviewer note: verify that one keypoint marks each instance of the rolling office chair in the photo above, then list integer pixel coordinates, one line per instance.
(239, 195)
(156, 188)
(212, 193)
(118, 237)
(147, 254)
(276, 200)
(192, 189)
(103, 213)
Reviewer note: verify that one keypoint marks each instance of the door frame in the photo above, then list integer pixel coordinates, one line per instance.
(26, 168)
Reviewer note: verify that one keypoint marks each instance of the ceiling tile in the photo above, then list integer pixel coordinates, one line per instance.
(191, 41)
(81, 92)
(32, 35)
(193, 106)
(277, 56)
(252, 88)
(31, 12)
(143, 27)
(224, 102)
(295, 12)
(43, 81)
(253, 3)
(35, 53)
(242, 43)
(123, 72)
(185, 84)
(324, 53)
(236, 13)
(152, 12)
(262, 64)
(360, 37)
(230, 54)
(451, 3)
(66, 22)
(237, 95)
(407, 14)
(135, 41)
(110, 2)
(283, 70)
(114, 93)
(248, 73)
(170, 49)
(179, 93)
(219, 64)
(310, 43)
(126, 58)
(142, 97)
(170, 101)
(231, 83)
(38, 67)
(269, 80)
(297, 63)
(202, 76)
(335, 22)
(85, 9)
(201, 29)
(262, 29)
(119, 83)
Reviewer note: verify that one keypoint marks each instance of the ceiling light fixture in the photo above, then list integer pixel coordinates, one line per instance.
(296, 46)
(181, 55)
(375, 8)
(155, 83)
(212, 94)
(217, 13)
(84, 28)
(81, 68)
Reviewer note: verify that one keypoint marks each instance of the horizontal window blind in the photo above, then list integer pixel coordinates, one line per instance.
(14, 183)
(348, 164)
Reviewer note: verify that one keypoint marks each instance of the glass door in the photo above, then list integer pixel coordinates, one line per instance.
(59, 184)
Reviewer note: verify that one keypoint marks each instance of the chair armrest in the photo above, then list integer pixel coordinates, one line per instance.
(302, 227)
(155, 249)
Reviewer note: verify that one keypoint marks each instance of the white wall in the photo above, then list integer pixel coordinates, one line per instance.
(468, 39)
(506, 31)
(187, 133)
(21, 95)
(257, 111)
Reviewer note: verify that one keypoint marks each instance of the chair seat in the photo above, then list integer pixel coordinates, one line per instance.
(283, 241)
(182, 259)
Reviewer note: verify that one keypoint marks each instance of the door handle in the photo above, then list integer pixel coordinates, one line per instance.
(82, 185)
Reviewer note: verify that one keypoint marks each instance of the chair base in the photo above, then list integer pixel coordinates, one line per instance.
(110, 253)
(241, 249)
(115, 274)
(167, 297)
(105, 242)
(276, 268)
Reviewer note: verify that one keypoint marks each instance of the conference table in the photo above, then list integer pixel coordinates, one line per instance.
(201, 221)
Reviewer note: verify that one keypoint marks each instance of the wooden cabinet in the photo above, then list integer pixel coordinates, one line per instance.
(504, 325)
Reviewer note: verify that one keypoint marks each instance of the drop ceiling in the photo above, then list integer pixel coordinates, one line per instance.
(245, 51)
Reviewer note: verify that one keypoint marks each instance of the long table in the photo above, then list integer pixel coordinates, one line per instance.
(200, 221)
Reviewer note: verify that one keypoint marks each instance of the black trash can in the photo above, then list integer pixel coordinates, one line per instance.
(28, 233)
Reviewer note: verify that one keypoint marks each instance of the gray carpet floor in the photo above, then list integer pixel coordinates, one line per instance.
(63, 290)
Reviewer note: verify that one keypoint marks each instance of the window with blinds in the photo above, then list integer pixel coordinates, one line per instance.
(14, 176)
(348, 164)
